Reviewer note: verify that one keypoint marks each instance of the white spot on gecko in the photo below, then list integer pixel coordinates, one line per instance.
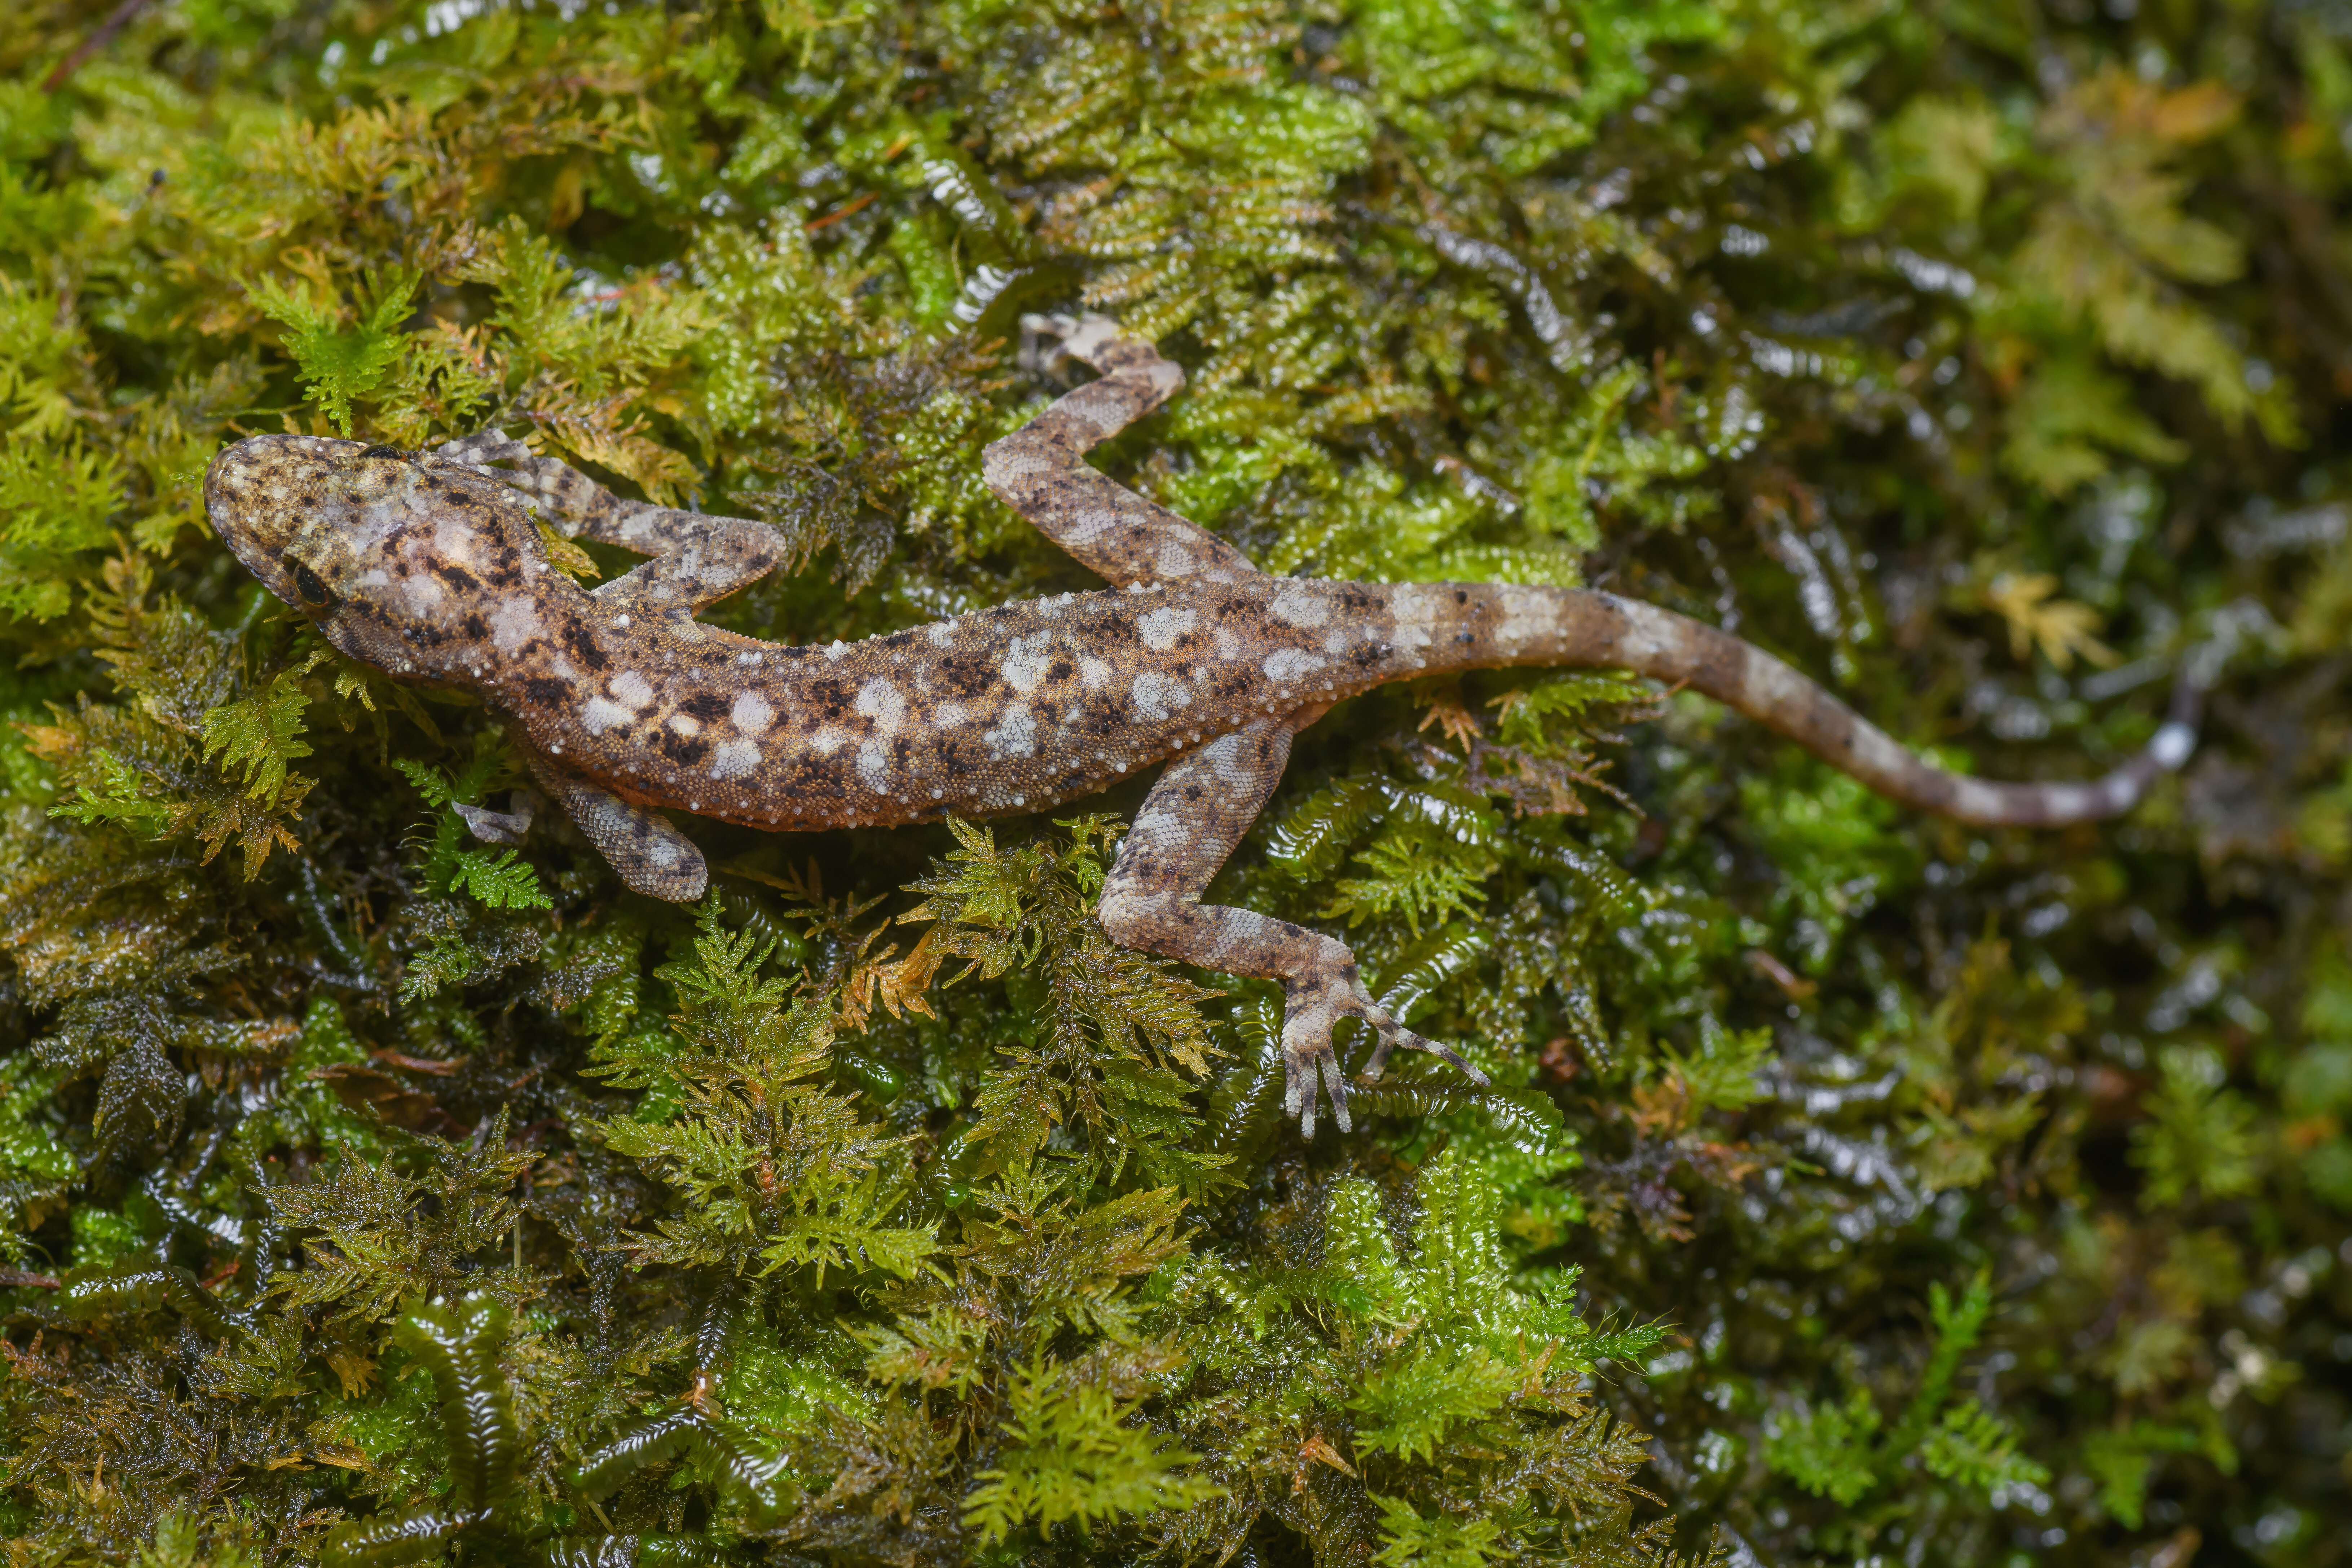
(1015, 735)
(686, 725)
(1227, 755)
(632, 689)
(885, 704)
(515, 622)
(1529, 614)
(1416, 608)
(733, 759)
(1162, 627)
(1155, 696)
(874, 763)
(1091, 523)
(1649, 634)
(1290, 663)
(453, 541)
(602, 714)
(752, 713)
(421, 596)
(1024, 663)
(1301, 605)
(1154, 829)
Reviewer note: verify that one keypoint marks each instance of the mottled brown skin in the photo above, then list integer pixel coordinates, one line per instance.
(430, 566)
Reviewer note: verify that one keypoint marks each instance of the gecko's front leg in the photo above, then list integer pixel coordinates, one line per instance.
(1196, 814)
(650, 856)
(698, 559)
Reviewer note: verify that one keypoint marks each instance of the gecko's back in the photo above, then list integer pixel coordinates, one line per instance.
(1002, 709)
(427, 570)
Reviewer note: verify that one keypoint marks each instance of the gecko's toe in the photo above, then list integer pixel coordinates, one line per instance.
(1045, 341)
(1300, 1097)
(1396, 1035)
(1308, 1057)
(1087, 334)
(1336, 1083)
(1392, 1034)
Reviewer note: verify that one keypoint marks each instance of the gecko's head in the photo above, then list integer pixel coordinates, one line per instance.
(396, 556)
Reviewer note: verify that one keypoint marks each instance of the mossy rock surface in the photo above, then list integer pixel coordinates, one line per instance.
(1855, 1187)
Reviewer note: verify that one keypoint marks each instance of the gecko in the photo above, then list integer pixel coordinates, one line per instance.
(429, 566)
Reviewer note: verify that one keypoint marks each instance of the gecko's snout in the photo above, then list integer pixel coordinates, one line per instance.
(259, 493)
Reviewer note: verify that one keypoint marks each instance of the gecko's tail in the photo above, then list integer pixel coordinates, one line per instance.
(1459, 626)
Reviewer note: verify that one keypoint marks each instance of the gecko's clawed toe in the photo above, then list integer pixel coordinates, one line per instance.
(1302, 1093)
(1312, 1065)
(1335, 1083)
(1393, 1035)
(1312, 1011)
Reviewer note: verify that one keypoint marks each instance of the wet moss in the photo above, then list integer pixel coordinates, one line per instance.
(1854, 1187)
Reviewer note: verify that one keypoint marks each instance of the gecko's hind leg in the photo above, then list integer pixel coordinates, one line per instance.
(1040, 470)
(652, 857)
(1198, 811)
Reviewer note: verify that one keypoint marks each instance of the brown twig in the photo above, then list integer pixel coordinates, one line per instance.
(1792, 985)
(838, 215)
(116, 20)
(435, 1065)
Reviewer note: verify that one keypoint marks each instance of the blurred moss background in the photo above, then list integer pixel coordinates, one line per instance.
(1856, 1188)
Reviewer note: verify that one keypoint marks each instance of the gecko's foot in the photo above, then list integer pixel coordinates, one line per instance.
(1313, 1008)
(482, 448)
(507, 827)
(1046, 339)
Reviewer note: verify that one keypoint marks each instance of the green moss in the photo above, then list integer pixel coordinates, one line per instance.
(102, 1236)
(1854, 1186)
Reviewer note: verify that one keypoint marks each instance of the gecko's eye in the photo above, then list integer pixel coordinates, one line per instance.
(305, 582)
(381, 452)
